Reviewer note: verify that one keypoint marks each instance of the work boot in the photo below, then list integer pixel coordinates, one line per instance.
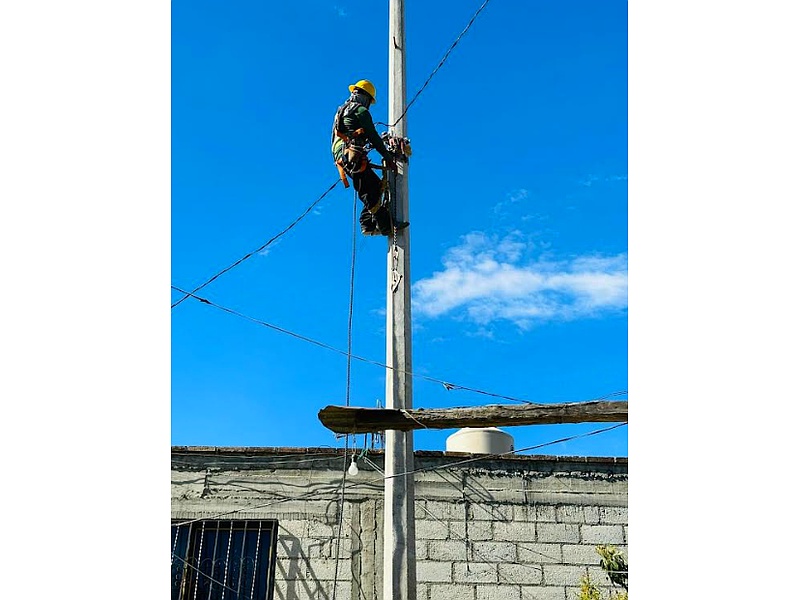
(368, 225)
(384, 221)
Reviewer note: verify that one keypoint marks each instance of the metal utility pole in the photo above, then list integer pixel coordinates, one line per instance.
(399, 545)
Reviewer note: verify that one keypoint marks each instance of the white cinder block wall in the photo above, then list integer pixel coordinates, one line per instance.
(518, 528)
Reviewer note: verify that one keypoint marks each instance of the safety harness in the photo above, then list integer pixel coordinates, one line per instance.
(356, 146)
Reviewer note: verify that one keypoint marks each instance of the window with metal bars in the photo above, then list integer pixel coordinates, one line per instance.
(223, 560)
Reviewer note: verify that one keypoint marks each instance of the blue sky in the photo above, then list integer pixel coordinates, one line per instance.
(518, 204)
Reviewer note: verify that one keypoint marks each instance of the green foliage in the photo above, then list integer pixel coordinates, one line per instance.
(589, 591)
(616, 567)
(613, 563)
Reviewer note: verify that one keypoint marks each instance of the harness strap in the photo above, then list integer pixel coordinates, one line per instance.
(342, 174)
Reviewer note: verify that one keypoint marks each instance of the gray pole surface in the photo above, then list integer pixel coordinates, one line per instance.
(399, 547)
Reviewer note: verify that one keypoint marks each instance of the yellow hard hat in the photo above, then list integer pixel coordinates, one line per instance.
(366, 86)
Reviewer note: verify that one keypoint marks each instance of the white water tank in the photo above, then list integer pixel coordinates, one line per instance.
(480, 440)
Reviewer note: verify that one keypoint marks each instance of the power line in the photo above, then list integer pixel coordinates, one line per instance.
(408, 106)
(259, 249)
(335, 489)
(447, 385)
(439, 66)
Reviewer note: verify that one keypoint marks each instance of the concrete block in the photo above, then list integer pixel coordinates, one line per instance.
(286, 590)
(514, 532)
(307, 570)
(539, 553)
(545, 593)
(475, 572)
(447, 550)
(497, 592)
(289, 568)
(298, 529)
(520, 574)
(598, 577)
(484, 511)
(602, 534)
(545, 513)
(431, 530)
(494, 551)
(447, 511)
(451, 592)
(323, 530)
(528, 513)
(534, 512)
(613, 515)
(565, 575)
(430, 571)
(591, 515)
(422, 591)
(474, 530)
(422, 549)
(325, 591)
(569, 513)
(580, 554)
(524, 513)
(318, 548)
(558, 532)
(289, 547)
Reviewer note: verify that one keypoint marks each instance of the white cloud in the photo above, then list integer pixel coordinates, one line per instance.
(487, 279)
(340, 11)
(512, 197)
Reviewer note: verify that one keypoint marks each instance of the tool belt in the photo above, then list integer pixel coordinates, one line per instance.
(354, 156)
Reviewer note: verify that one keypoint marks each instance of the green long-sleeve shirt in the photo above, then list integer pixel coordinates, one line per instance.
(361, 118)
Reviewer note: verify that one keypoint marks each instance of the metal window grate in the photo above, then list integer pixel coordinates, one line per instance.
(224, 560)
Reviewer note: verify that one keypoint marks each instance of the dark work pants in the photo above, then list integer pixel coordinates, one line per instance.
(368, 187)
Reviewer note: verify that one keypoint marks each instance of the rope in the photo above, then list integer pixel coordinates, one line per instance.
(352, 289)
(341, 519)
(347, 393)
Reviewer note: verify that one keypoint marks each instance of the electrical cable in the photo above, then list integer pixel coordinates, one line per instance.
(259, 249)
(381, 479)
(408, 106)
(448, 386)
(439, 66)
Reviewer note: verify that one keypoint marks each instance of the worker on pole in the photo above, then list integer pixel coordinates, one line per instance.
(352, 138)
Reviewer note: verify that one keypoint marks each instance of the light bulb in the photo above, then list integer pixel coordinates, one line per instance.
(353, 468)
